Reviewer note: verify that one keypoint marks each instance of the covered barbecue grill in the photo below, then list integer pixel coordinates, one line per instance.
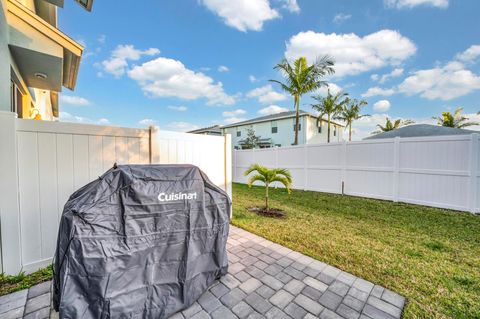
(142, 241)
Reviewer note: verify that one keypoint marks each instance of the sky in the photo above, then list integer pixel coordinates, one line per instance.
(186, 64)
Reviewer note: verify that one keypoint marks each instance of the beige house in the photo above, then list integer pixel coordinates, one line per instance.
(36, 58)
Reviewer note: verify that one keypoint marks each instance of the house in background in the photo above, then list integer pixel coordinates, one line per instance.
(36, 58)
(279, 130)
(214, 130)
(421, 130)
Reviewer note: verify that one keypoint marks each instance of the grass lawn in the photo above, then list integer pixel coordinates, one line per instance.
(429, 255)
(9, 284)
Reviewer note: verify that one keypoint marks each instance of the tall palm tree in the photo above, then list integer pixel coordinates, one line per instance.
(455, 120)
(351, 112)
(301, 78)
(390, 126)
(331, 106)
(268, 176)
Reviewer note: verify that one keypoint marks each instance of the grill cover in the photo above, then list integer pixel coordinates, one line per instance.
(142, 241)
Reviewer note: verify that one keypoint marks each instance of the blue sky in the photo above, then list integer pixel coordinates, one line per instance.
(184, 64)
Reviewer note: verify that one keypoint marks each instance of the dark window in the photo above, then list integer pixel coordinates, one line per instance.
(239, 133)
(299, 127)
(274, 129)
(334, 131)
(319, 129)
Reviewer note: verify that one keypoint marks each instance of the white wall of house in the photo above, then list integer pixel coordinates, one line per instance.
(285, 135)
(316, 135)
(4, 60)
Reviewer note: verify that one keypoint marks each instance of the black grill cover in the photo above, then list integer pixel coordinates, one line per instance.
(142, 241)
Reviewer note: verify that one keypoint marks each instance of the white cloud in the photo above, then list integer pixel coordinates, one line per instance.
(103, 121)
(353, 54)
(223, 68)
(400, 4)
(442, 82)
(341, 17)
(382, 106)
(252, 79)
(163, 77)
(382, 79)
(242, 15)
(234, 113)
(376, 91)
(272, 109)
(178, 108)
(334, 89)
(470, 54)
(118, 61)
(231, 120)
(102, 39)
(147, 122)
(291, 5)
(364, 126)
(67, 117)
(266, 94)
(182, 126)
(74, 100)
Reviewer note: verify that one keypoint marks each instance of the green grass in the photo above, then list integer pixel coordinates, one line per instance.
(9, 284)
(431, 256)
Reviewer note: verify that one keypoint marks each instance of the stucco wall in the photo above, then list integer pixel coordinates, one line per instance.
(4, 60)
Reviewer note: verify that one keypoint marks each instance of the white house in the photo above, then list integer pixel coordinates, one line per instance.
(279, 130)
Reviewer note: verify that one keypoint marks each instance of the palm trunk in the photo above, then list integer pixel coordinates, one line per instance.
(297, 118)
(350, 132)
(266, 197)
(328, 129)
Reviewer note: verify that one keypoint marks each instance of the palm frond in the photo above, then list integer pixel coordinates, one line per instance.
(255, 178)
(284, 181)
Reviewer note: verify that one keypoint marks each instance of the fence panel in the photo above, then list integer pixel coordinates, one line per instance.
(55, 159)
(435, 171)
(207, 152)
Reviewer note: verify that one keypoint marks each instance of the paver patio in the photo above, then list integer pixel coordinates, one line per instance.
(265, 280)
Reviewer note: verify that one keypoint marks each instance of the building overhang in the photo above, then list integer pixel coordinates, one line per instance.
(39, 49)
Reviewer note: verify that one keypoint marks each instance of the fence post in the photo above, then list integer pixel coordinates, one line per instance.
(227, 153)
(154, 145)
(396, 166)
(474, 145)
(344, 166)
(9, 205)
(305, 167)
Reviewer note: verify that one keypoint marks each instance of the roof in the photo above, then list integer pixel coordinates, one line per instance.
(214, 128)
(271, 117)
(419, 130)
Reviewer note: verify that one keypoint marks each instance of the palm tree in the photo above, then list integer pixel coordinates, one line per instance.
(301, 78)
(351, 112)
(268, 176)
(455, 120)
(331, 106)
(390, 126)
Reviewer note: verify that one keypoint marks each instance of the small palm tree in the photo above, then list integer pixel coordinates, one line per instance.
(390, 126)
(455, 120)
(331, 106)
(268, 176)
(351, 113)
(301, 78)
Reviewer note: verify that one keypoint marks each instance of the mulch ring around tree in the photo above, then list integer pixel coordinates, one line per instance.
(271, 212)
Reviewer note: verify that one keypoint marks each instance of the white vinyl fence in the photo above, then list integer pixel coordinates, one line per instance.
(435, 171)
(54, 159)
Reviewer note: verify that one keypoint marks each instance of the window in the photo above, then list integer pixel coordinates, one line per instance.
(239, 133)
(299, 127)
(16, 99)
(320, 129)
(334, 131)
(274, 127)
